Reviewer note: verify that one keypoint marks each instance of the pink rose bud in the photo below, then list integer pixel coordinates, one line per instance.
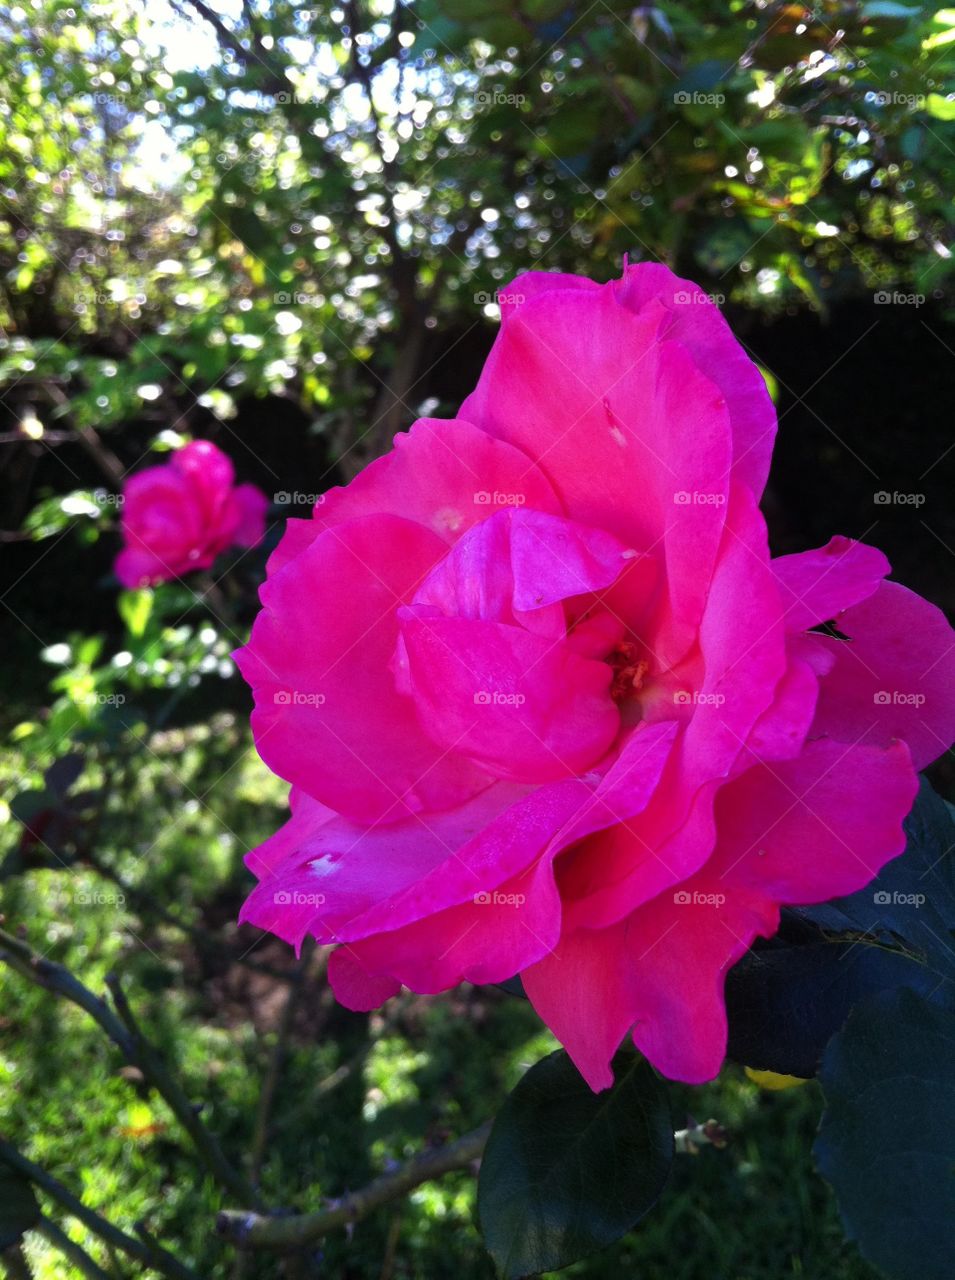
(179, 516)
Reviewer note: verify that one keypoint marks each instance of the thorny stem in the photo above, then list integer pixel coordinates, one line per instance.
(250, 1230)
(126, 1035)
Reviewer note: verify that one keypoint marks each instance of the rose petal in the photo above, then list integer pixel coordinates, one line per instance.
(893, 678)
(328, 717)
(817, 585)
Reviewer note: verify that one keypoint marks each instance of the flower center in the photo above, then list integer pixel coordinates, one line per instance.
(628, 669)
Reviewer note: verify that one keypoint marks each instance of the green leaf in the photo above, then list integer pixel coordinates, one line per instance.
(19, 1210)
(887, 1139)
(939, 107)
(785, 1000)
(567, 1171)
(135, 608)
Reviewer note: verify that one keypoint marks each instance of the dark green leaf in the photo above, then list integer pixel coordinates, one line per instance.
(568, 1171)
(887, 1139)
(786, 1000)
(19, 1210)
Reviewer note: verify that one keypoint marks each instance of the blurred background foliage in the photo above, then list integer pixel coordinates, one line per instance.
(284, 227)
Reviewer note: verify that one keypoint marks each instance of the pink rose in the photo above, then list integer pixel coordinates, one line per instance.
(548, 707)
(179, 516)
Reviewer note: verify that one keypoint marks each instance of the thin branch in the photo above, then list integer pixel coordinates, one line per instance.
(150, 1255)
(126, 1035)
(232, 40)
(226, 1173)
(251, 1230)
(91, 441)
(80, 1259)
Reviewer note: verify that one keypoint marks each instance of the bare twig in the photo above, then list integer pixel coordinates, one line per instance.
(78, 1256)
(151, 1255)
(250, 1230)
(226, 1172)
(125, 1034)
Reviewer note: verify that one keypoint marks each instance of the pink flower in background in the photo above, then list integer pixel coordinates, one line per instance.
(548, 707)
(179, 516)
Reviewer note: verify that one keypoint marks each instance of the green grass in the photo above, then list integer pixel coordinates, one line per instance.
(178, 814)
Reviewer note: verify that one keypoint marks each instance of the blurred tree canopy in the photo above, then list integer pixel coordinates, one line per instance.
(205, 201)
